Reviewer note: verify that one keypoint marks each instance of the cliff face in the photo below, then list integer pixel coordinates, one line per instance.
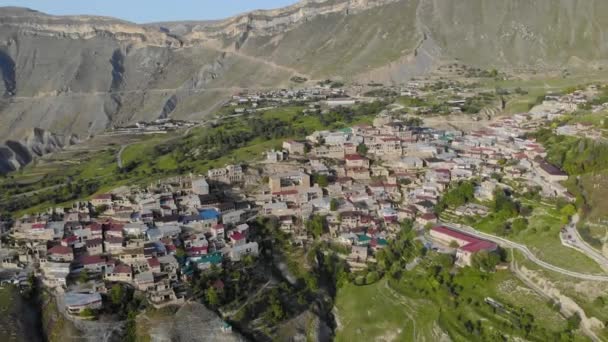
(82, 75)
(16, 153)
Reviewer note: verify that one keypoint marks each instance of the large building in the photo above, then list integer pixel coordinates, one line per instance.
(200, 186)
(551, 172)
(294, 181)
(467, 245)
(228, 174)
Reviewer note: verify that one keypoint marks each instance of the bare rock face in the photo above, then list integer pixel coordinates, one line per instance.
(16, 153)
(83, 74)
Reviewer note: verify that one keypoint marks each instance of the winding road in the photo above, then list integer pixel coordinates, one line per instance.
(572, 238)
(527, 253)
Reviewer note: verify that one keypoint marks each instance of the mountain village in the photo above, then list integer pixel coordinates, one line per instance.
(362, 180)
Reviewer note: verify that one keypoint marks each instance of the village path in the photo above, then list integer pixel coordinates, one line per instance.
(403, 302)
(527, 253)
(119, 155)
(586, 324)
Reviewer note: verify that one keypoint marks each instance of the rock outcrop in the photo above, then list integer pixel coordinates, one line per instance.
(16, 153)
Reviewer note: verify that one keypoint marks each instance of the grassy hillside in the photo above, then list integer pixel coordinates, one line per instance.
(73, 175)
(419, 307)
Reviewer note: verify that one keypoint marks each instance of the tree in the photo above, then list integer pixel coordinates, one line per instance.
(362, 149)
(213, 299)
(87, 313)
(83, 277)
(334, 204)
(519, 224)
(574, 322)
(276, 308)
(485, 261)
(316, 225)
(372, 277)
(117, 294)
(568, 210)
(322, 180)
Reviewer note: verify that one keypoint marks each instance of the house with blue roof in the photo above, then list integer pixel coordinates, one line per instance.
(209, 217)
(202, 262)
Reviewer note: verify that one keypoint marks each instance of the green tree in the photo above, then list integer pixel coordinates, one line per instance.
(276, 311)
(316, 226)
(334, 204)
(371, 277)
(322, 180)
(87, 313)
(519, 224)
(83, 277)
(117, 294)
(485, 261)
(212, 297)
(568, 210)
(574, 322)
(362, 149)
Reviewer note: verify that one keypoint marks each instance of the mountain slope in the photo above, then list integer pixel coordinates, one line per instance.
(82, 75)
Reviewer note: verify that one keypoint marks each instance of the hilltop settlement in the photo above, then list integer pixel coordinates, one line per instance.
(360, 182)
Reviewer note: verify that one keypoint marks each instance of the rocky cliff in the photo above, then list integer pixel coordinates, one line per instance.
(82, 75)
(16, 153)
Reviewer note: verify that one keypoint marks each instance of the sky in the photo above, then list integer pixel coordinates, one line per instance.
(146, 11)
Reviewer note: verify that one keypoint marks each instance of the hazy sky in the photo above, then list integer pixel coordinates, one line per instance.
(143, 11)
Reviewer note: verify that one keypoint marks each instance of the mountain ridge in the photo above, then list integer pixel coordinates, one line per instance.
(85, 74)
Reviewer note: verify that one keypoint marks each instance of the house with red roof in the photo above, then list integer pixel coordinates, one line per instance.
(120, 273)
(154, 265)
(468, 245)
(101, 199)
(357, 161)
(114, 229)
(218, 231)
(60, 253)
(426, 218)
(69, 241)
(96, 230)
(113, 244)
(96, 263)
(94, 246)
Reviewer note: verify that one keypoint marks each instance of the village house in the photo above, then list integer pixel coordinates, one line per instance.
(55, 273)
(102, 200)
(96, 263)
(273, 156)
(60, 253)
(329, 151)
(294, 147)
(467, 244)
(286, 182)
(76, 303)
(120, 273)
(113, 244)
(200, 186)
(94, 246)
(358, 254)
(229, 174)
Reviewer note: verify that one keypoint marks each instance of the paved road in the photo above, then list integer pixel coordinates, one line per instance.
(572, 238)
(527, 253)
